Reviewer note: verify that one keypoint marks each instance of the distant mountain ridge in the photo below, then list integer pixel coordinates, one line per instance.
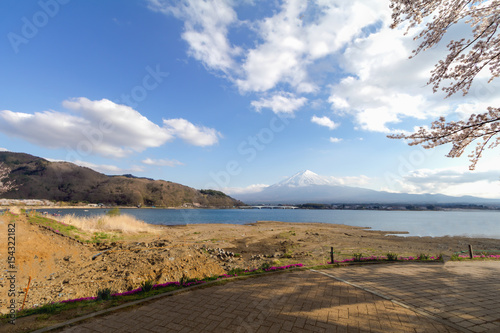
(63, 181)
(309, 187)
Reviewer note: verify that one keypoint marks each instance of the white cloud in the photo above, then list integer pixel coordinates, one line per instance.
(256, 188)
(283, 103)
(298, 36)
(4, 149)
(384, 86)
(342, 181)
(99, 127)
(107, 169)
(129, 130)
(162, 162)
(195, 135)
(324, 121)
(335, 140)
(344, 49)
(450, 181)
(289, 47)
(478, 105)
(351, 180)
(205, 30)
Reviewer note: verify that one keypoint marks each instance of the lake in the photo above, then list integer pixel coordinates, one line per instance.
(472, 223)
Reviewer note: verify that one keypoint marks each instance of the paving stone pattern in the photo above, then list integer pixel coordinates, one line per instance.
(464, 293)
(301, 301)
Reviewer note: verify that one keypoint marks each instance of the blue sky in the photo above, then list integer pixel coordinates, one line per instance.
(234, 95)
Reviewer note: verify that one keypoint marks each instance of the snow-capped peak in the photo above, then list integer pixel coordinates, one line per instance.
(304, 178)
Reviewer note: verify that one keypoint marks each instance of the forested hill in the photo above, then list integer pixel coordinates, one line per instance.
(38, 178)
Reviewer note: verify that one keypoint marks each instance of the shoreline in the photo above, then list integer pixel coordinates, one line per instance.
(24, 204)
(399, 223)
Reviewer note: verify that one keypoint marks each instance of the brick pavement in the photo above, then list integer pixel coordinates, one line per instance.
(300, 301)
(464, 293)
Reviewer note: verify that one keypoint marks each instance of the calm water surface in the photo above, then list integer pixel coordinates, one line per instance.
(484, 224)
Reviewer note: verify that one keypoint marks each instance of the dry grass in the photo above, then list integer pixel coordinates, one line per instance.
(121, 223)
(15, 210)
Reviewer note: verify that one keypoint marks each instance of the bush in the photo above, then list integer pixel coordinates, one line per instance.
(114, 212)
(104, 294)
(147, 285)
(265, 265)
(423, 256)
(50, 308)
(392, 256)
(184, 280)
(357, 256)
(236, 271)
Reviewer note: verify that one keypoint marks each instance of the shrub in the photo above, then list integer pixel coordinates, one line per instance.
(265, 266)
(392, 256)
(147, 285)
(50, 308)
(423, 256)
(104, 294)
(357, 256)
(236, 271)
(184, 280)
(114, 212)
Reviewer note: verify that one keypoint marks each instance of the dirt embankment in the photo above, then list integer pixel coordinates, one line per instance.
(63, 268)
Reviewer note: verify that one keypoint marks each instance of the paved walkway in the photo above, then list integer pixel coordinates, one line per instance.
(464, 293)
(302, 301)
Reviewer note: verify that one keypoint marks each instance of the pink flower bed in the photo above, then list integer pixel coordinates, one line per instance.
(273, 269)
(79, 299)
(381, 258)
(489, 256)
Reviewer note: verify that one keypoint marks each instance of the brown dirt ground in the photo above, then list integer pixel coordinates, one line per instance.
(62, 268)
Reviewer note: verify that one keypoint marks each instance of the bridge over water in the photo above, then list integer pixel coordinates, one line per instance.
(268, 207)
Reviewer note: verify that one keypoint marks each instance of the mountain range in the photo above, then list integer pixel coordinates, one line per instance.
(309, 187)
(38, 178)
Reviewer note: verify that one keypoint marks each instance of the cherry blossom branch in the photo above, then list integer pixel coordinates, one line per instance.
(459, 67)
(5, 185)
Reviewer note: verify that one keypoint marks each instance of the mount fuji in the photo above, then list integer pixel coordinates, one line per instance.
(303, 179)
(309, 187)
